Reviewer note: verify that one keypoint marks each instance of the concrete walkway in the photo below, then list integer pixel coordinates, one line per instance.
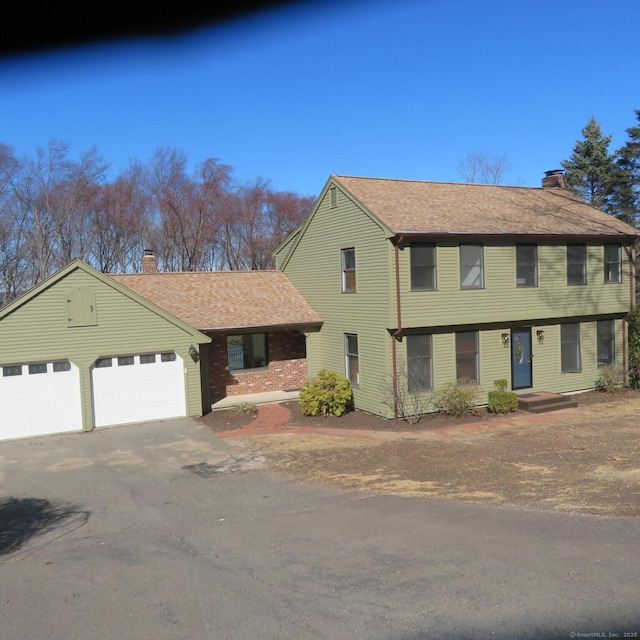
(256, 398)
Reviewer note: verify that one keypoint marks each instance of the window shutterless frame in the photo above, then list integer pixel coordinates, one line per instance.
(570, 355)
(423, 266)
(471, 266)
(419, 362)
(576, 264)
(526, 265)
(467, 356)
(348, 258)
(606, 342)
(352, 364)
(612, 263)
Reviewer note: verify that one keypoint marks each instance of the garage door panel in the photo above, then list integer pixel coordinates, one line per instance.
(140, 391)
(35, 404)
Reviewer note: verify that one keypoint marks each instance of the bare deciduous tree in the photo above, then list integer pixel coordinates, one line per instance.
(54, 209)
(484, 168)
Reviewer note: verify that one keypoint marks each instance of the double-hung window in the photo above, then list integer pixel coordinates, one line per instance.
(419, 363)
(570, 347)
(471, 266)
(612, 263)
(526, 265)
(606, 342)
(467, 359)
(348, 270)
(423, 267)
(576, 264)
(352, 364)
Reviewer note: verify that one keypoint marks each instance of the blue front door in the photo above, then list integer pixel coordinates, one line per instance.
(521, 359)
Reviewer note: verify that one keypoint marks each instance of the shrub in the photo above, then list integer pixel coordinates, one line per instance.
(457, 398)
(634, 349)
(329, 394)
(609, 378)
(406, 395)
(245, 407)
(500, 400)
(501, 384)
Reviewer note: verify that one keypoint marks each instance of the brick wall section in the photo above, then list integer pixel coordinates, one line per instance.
(287, 367)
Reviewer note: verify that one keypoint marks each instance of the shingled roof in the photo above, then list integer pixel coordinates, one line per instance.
(225, 300)
(445, 208)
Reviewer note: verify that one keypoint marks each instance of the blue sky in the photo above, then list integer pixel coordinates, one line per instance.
(402, 89)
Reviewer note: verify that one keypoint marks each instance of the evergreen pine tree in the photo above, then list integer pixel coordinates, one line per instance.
(591, 170)
(625, 200)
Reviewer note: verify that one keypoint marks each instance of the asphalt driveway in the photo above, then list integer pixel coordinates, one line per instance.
(162, 530)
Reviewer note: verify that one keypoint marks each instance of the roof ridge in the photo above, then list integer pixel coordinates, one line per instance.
(443, 182)
(193, 273)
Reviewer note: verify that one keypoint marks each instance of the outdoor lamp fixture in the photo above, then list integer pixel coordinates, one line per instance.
(193, 352)
(505, 340)
(540, 336)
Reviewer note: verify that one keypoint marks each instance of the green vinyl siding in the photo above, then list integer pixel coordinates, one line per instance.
(501, 299)
(315, 268)
(311, 258)
(39, 331)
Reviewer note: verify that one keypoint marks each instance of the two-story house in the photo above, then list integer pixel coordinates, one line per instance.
(420, 283)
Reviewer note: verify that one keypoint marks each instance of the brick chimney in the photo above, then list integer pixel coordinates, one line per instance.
(554, 179)
(149, 263)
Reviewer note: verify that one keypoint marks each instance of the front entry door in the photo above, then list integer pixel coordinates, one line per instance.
(521, 359)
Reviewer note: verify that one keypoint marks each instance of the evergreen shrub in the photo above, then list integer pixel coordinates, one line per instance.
(330, 394)
(500, 400)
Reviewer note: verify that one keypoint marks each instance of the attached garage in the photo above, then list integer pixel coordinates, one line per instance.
(137, 388)
(40, 398)
(80, 351)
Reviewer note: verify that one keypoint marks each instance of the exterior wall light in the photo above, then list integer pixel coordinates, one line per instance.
(540, 336)
(505, 340)
(193, 352)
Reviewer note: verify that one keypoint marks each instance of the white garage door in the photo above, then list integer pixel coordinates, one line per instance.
(39, 398)
(138, 388)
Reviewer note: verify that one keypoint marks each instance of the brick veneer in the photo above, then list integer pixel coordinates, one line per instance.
(287, 367)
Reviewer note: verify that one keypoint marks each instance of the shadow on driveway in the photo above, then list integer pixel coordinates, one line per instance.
(22, 519)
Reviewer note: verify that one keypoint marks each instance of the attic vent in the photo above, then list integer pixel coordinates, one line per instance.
(333, 192)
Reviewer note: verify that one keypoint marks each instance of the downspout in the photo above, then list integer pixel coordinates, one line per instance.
(397, 334)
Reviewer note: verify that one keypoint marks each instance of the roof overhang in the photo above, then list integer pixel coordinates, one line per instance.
(299, 327)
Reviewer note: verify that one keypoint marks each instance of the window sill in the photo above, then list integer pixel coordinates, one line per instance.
(252, 370)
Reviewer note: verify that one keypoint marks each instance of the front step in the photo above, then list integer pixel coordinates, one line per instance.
(543, 402)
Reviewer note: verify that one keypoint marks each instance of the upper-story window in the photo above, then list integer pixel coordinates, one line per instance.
(612, 263)
(526, 265)
(423, 267)
(576, 264)
(471, 266)
(349, 270)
